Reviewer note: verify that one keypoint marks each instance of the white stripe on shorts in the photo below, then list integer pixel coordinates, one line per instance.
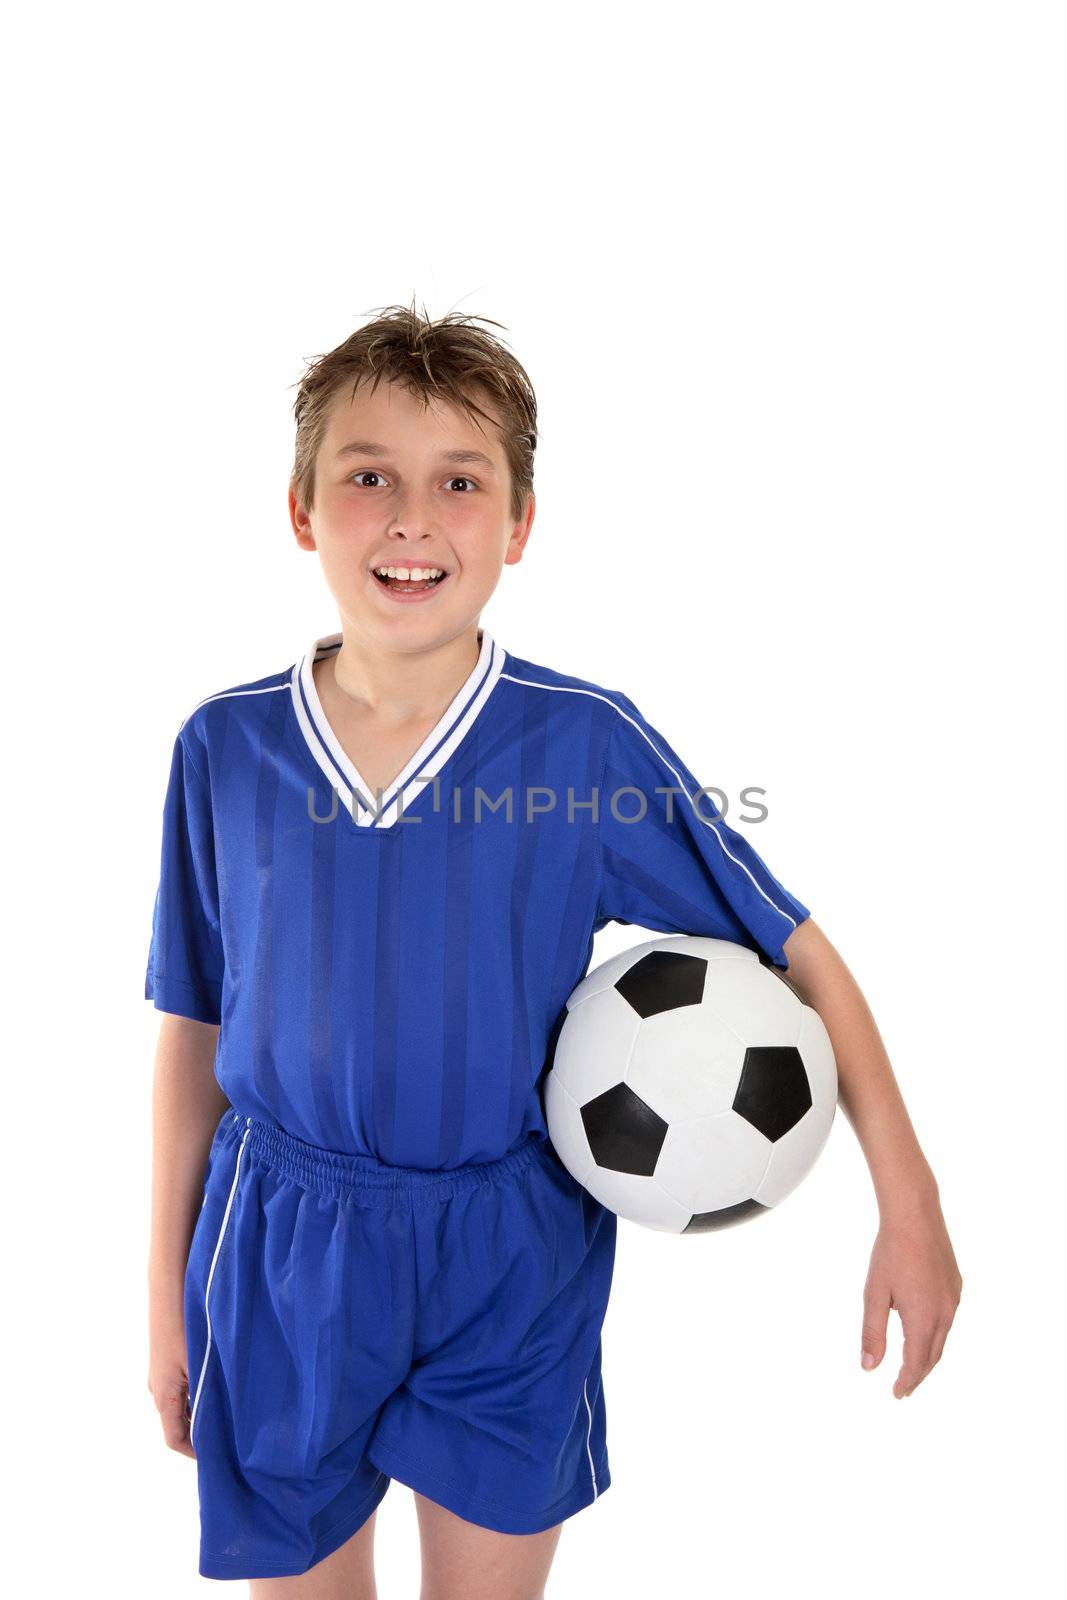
(588, 1435)
(211, 1274)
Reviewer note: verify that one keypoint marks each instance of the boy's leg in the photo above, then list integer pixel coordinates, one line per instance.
(462, 1561)
(346, 1574)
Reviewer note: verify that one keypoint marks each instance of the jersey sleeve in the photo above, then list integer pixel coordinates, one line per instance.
(669, 861)
(185, 958)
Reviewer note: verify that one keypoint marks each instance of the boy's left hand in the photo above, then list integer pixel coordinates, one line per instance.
(913, 1268)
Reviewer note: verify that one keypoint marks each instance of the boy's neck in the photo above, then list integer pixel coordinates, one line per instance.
(400, 685)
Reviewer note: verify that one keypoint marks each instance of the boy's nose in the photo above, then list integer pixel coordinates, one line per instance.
(412, 520)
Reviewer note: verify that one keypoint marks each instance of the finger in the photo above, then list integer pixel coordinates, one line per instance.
(875, 1316)
(918, 1345)
(939, 1341)
(174, 1414)
(939, 1328)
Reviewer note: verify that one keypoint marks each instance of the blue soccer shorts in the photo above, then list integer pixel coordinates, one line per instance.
(349, 1322)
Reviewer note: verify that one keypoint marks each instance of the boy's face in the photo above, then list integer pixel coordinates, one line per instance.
(401, 484)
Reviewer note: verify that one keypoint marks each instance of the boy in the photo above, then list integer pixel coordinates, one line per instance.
(381, 875)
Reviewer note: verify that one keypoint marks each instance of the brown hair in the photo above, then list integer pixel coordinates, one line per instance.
(445, 359)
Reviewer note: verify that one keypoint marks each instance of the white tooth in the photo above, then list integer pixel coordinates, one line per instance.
(409, 573)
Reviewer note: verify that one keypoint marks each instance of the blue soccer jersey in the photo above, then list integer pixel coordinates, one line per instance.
(387, 972)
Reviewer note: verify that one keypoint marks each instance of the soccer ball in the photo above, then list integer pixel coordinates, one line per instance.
(687, 1085)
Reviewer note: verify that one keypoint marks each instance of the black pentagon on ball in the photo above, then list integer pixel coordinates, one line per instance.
(706, 1221)
(773, 1093)
(625, 1135)
(664, 980)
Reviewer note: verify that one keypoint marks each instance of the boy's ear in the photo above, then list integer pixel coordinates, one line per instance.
(521, 531)
(301, 522)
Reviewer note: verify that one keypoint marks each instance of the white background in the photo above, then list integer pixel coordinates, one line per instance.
(789, 282)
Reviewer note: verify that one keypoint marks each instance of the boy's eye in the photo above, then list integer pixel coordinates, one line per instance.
(368, 474)
(462, 480)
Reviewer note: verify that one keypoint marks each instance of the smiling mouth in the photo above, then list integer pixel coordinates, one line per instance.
(409, 585)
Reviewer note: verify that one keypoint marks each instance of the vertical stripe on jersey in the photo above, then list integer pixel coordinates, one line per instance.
(462, 934)
(329, 1108)
(575, 944)
(534, 739)
(270, 1082)
(385, 963)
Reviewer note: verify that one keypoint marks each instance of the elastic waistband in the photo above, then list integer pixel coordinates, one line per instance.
(333, 1172)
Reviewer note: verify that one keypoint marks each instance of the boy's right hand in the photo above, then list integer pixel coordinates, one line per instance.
(168, 1380)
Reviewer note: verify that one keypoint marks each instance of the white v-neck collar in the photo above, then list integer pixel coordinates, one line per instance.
(428, 759)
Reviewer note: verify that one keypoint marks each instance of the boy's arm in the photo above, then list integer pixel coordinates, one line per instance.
(187, 1103)
(913, 1266)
